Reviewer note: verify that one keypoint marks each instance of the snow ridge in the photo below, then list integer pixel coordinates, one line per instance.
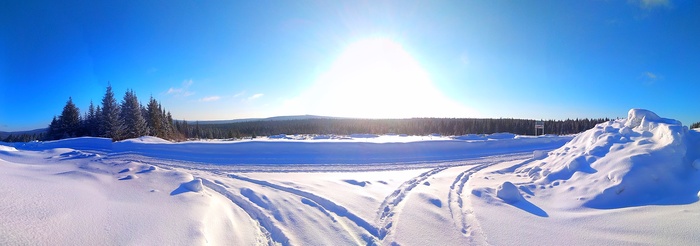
(628, 162)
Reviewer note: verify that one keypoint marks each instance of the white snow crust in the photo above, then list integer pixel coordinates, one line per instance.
(625, 182)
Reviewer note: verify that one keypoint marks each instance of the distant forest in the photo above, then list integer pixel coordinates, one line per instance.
(415, 126)
(130, 119)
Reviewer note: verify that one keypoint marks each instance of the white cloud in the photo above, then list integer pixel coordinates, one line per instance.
(651, 4)
(182, 91)
(650, 78)
(650, 75)
(256, 96)
(239, 94)
(209, 99)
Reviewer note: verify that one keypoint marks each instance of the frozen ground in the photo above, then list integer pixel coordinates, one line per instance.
(630, 181)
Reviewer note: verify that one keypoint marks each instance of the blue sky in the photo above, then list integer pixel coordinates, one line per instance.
(208, 60)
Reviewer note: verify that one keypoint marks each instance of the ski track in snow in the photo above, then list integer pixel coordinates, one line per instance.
(267, 227)
(387, 211)
(324, 203)
(462, 215)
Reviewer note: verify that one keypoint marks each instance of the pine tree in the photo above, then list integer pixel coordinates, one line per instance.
(98, 127)
(171, 128)
(134, 123)
(53, 133)
(91, 121)
(112, 125)
(70, 120)
(155, 118)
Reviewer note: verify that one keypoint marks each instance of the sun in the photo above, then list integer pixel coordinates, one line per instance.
(377, 78)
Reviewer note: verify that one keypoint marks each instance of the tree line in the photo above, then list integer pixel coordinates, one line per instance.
(414, 126)
(695, 125)
(118, 121)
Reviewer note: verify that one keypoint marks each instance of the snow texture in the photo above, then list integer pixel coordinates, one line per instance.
(600, 187)
(508, 192)
(635, 161)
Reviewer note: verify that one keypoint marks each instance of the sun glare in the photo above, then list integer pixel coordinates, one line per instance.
(377, 78)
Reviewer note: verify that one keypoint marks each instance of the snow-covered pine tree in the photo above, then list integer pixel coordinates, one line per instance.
(111, 124)
(134, 123)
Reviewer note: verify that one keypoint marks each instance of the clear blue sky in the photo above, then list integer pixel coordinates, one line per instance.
(208, 60)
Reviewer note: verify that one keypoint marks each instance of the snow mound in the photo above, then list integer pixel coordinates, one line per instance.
(145, 139)
(7, 148)
(508, 192)
(628, 162)
(194, 185)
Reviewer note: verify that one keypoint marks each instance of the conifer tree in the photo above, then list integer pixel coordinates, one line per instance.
(134, 123)
(91, 121)
(53, 133)
(155, 118)
(69, 120)
(111, 124)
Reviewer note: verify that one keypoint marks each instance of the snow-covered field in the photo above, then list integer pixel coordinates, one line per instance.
(630, 181)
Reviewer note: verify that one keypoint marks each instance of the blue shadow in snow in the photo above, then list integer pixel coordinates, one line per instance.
(527, 206)
(181, 189)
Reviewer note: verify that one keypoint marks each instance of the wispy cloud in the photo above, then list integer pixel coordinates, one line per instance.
(209, 99)
(182, 91)
(650, 78)
(256, 96)
(651, 75)
(651, 4)
(239, 94)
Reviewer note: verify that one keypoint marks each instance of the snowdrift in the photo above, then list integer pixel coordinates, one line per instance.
(644, 159)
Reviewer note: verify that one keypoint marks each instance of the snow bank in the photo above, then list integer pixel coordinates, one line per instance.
(7, 148)
(194, 185)
(145, 139)
(627, 162)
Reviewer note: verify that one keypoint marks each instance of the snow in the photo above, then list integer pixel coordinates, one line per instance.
(634, 161)
(508, 192)
(624, 182)
(7, 148)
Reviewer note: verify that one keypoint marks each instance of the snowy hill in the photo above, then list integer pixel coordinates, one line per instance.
(634, 161)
